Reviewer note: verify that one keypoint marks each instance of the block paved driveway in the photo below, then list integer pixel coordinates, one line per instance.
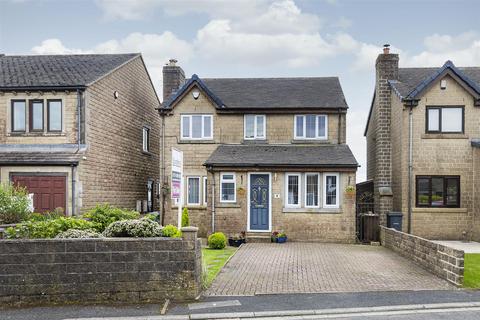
(295, 267)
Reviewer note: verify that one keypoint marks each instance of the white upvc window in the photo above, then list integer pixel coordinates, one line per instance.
(193, 190)
(146, 139)
(311, 126)
(227, 187)
(254, 126)
(312, 190)
(331, 187)
(196, 127)
(293, 190)
(205, 191)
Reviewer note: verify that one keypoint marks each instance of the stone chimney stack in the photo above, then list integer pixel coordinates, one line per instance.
(173, 78)
(386, 69)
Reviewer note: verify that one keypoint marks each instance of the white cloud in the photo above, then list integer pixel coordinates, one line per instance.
(127, 9)
(343, 23)
(55, 46)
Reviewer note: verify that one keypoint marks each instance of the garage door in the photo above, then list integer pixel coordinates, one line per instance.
(49, 191)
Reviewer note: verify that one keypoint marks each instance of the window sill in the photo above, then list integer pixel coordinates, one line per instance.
(444, 136)
(227, 205)
(196, 141)
(312, 210)
(192, 207)
(310, 141)
(439, 209)
(255, 141)
(36, 134)
(147, 153)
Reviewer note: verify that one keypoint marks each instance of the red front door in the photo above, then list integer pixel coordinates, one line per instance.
(49, 191)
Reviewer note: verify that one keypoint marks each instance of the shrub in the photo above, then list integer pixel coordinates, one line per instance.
(171, 231)
(45, 216)
(133, 228)
(78, 234)
(217, 240)
(47, 228)
(185, 218)
(151, 216)
(103, 215)
(14, 203)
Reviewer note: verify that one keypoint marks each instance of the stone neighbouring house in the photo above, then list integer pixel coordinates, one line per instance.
(78, 130)
(260, 154)
(445, 168)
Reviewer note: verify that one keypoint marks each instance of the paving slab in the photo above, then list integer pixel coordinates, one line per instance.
(296, 267)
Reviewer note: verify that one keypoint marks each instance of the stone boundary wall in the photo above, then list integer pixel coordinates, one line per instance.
(445, 262)
(109, 270)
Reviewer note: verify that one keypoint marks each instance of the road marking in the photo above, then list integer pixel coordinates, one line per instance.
(214, 304)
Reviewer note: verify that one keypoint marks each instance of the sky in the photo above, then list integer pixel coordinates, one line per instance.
(263, 38)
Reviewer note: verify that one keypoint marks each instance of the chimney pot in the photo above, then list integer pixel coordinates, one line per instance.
(172, 62)
(386, 48)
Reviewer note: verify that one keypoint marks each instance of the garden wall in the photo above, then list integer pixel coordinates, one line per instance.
(128, 270)
(445, 262)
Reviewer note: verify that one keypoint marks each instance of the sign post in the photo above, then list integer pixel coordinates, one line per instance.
(177, 181)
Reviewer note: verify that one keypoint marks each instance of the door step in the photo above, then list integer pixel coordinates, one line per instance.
(258, 237)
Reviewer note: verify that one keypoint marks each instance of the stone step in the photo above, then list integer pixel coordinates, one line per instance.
(257, 237)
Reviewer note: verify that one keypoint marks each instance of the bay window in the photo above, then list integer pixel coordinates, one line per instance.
(18, 115)
(196, 127)
(311, 190)
(292, 190)
(438, 191)
(254, 127)
(227, 187)
(331, 190)
(311, 126)
(445, 120)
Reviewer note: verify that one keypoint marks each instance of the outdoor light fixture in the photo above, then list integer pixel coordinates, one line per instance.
(115, 94)
(443, 84)
(195, 94)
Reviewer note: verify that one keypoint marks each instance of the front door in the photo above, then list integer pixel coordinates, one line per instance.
(259, 201)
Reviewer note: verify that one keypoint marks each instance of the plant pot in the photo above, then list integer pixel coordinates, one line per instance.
(281, 239)
(235, 242)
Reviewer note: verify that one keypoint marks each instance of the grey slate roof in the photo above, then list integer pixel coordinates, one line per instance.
(278, 92)
(410, 78)
(328, 155)
(57, 71)
(268, 93)
(62, 154)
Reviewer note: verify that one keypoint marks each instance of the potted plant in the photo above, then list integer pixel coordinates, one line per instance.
(350, 191)
(237, 240)
(278, 237)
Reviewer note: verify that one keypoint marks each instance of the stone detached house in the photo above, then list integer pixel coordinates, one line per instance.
(77, 130)
(423, 151)
(260, 154)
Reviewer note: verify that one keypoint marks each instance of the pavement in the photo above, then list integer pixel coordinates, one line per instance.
(296, 267)
(443, 304)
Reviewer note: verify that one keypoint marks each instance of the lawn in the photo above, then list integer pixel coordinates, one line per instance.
(472, 271)
(213, 261)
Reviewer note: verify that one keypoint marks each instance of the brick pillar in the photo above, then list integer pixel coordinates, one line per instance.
(386, 69)
(189, 233)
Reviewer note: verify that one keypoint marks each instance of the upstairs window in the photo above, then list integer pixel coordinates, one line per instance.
(36, 115)
(18, 114)
(54, 115)
(438, 191)
(146, 139)
(196, 127)
(227, 187)
(311, 126)
(445, 120)
(254, 127)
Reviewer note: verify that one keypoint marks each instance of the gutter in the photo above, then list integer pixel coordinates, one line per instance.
(43, 88)
(265, 165)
